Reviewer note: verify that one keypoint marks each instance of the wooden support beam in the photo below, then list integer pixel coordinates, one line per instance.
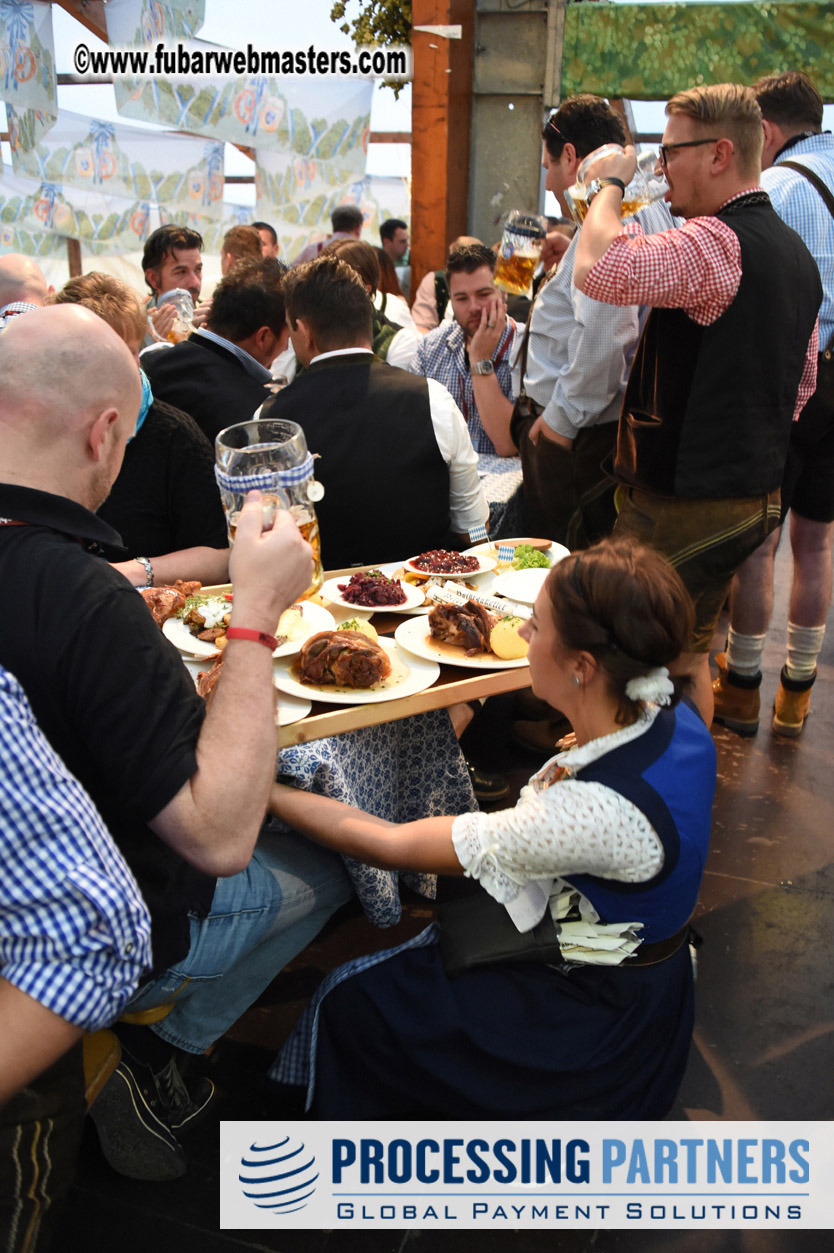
(89, 13)
(441, 112)
(74, 258)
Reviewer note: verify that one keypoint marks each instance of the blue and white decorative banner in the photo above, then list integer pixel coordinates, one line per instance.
(321, 117)
(174, 171)
(533, 1176)
(27, 56)
(296, 197)
(131, 23)
(30, 242)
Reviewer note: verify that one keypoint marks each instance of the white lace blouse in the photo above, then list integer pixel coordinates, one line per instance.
(560, 828)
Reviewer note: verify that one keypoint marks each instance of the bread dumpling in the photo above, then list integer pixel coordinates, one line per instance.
(505, 641)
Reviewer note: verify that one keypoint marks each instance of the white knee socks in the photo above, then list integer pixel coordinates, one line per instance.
(804, 644)
(744, 653)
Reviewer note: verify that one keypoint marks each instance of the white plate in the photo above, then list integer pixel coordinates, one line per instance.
(330, 591)
(555, 552)
(316, 617)
(415, 636)
(521, 585)
(417, 676)
(485, 563)
(290, 708)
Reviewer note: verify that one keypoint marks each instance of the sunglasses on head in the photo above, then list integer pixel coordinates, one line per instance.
(550, 128)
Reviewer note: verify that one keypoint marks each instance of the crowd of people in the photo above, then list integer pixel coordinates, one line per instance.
(668, 397)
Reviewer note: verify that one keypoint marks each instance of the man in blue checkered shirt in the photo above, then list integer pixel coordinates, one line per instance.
(792, 116)
(472, 355)
(74, 941)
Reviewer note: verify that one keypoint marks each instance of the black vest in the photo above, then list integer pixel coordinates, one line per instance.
(707, 411)
(386, 484)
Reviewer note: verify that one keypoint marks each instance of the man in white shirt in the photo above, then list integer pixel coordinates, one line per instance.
(396, 461)
(578, 355)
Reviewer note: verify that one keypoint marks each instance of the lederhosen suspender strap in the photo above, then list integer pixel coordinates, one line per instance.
(828, 200)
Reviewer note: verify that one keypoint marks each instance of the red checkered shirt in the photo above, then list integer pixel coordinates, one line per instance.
(695, 267)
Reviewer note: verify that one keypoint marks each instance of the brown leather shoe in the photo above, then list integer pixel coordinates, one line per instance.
(792, 705)
(736, 699)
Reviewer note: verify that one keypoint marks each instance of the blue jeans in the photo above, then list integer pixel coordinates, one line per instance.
(260, 919)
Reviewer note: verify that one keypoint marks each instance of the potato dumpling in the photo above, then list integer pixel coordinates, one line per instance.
(360, 624)
(505, 641)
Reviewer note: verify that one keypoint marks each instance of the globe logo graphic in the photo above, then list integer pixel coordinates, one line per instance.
(278, 1177)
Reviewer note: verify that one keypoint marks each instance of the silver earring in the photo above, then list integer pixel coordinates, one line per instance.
(576, 680)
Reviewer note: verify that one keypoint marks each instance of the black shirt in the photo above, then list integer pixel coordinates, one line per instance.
(165, 497)
(108, 689)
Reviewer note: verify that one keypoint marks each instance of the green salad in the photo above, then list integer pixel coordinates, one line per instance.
(527, 558)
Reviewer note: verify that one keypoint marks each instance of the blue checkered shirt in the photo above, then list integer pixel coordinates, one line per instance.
(442, 356)
(800, 205)
(74, 930)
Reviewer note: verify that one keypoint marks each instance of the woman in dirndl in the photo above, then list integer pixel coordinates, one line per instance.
(564, 989)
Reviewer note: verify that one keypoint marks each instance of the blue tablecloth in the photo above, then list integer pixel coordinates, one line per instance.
(400, 771)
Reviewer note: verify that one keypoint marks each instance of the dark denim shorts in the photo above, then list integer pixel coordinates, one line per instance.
(705, 540)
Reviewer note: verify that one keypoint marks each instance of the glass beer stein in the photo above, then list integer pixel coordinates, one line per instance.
(184, 321)
(644, 188)
(519, 252)
(271, 456)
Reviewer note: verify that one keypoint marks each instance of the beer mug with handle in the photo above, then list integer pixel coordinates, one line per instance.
(272, 457)
(519, 252)
(644, 188)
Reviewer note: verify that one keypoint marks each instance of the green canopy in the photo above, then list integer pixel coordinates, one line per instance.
(650, 51)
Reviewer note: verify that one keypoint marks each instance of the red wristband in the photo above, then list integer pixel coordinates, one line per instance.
(260, 637)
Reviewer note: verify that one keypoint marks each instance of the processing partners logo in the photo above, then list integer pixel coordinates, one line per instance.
(278, 1177)
(500, 1176)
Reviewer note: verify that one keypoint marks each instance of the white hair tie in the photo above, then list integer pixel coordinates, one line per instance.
(654, 688)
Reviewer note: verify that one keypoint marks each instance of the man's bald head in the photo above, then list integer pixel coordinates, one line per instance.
(67, 379)
(21, 279)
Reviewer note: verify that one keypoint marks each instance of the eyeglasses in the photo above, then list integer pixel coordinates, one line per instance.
(665, 149)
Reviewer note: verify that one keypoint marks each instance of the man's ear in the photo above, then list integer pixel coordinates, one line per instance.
(723, 155)
(773, 140)
(101, 431)
(152, 279)
(569, 160)
(303, 330)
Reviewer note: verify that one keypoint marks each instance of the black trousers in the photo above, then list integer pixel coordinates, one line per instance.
(568, 497)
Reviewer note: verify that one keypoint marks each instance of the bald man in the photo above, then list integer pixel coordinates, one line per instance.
(22, 286)
(183, 790)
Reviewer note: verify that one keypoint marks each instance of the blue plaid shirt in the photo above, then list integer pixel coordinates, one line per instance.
(74, 930)
(442, 356)
(800, 205)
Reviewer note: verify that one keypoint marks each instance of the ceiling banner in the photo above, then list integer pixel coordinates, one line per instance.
(326, 117)
(27, 55)
(181, 173)
(297, 197)
(27, 68)
(102, 223)
(131, 23)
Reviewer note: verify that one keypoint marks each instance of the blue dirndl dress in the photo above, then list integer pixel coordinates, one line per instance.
(392, 1036)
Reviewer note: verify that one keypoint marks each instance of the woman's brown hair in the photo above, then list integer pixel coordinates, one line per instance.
(113, 301)
(626, 606)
